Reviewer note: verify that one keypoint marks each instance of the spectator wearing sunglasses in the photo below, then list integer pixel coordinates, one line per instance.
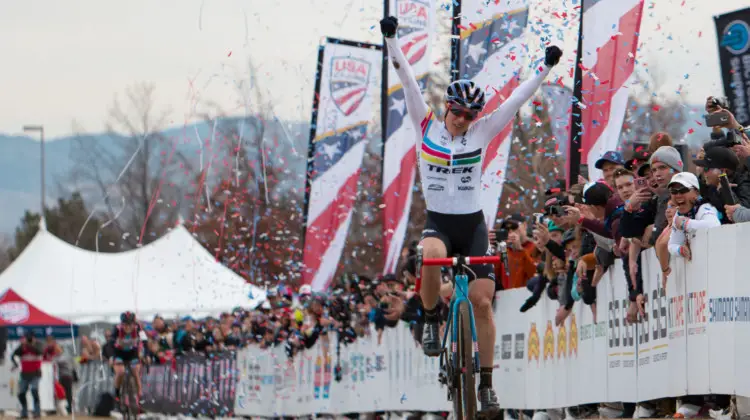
(693, 213)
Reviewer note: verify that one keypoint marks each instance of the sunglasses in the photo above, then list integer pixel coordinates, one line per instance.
(466, 114)
(676, 191)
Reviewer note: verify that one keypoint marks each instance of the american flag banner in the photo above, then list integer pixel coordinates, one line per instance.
(345, 90)
(415, 33)
(609, 39)
(490, 53)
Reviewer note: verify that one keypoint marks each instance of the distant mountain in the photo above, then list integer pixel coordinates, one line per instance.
(20, 168)
(20, 185)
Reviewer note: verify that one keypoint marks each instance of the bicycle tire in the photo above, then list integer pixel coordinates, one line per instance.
(464, 390)
(124, 395)
(133, 396)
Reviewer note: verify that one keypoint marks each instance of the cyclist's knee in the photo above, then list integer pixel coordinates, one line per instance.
(433, 248)
(481, 292)
(482, 306)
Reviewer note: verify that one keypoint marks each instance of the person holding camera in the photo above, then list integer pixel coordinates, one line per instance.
(522, 255)
(716, 163)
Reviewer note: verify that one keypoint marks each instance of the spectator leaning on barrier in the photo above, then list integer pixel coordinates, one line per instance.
(693, 213)
(601, 217)
(714, 162)
(645, 211)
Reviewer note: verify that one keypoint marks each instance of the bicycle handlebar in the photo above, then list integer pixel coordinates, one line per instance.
(452, 261)
(449, 262)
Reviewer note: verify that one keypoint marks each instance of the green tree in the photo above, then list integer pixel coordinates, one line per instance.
(66, 220)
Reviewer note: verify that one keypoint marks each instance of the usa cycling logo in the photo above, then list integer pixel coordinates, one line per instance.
(736, 37)
(349, 81)
(413, 18)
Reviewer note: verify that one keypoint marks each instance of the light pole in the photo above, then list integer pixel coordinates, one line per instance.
(40, 130)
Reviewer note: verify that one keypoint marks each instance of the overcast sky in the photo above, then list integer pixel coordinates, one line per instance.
(66, 60)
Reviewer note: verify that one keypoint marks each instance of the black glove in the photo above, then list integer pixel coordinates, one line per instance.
(551, 55)
(388, 26)
(530, 302)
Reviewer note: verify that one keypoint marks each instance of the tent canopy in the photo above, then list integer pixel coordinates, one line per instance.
(19, 316)
(172, 276)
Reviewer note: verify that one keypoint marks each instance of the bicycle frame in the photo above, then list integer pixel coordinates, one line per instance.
(460, 294)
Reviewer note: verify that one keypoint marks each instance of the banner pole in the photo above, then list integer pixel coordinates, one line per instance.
(310, 148)
(575, 142)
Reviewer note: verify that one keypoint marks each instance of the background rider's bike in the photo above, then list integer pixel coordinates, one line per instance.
(129, 404)
(459, 365)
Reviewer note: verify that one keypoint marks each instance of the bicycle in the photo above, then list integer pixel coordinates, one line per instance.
(128, 403)
(458, 368)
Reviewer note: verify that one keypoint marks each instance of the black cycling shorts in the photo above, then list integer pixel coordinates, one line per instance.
(127, 356)
(462, 234)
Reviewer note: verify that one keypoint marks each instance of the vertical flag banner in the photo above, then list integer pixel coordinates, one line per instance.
(489, 55)
(733, 34)
(347, 78)
(609, 38)
(415, 33)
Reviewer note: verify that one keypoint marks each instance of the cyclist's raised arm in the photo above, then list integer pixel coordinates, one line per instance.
(415, 103)
(490, 125)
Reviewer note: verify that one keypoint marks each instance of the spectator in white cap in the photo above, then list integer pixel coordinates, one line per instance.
(693, 213)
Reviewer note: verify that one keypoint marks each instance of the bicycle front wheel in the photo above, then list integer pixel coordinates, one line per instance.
(464, 389)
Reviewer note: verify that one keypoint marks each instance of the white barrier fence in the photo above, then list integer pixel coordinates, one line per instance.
(694, 340)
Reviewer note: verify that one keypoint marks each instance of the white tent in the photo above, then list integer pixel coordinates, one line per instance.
(173, 276)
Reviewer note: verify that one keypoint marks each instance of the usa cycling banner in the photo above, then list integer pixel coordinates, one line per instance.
(343, 105)
(733, 33)
(415, 34)
(490, 54)
(609, 39)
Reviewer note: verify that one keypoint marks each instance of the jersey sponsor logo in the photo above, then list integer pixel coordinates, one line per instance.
(437, 178)
(442, 156)
(435, 187)
(349, 81)
(465, 179)
(444, 170)
(413, 17)
(465, 188)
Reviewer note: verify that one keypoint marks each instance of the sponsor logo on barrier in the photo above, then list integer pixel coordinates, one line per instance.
(506, 346)
(729, 309)
(533, 343)
(562, 347)
(676, 316)
(549, 342)
(520, 345)
(696, 312)
(573, 340)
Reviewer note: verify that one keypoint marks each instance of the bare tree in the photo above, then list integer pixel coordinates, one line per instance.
(134, 169)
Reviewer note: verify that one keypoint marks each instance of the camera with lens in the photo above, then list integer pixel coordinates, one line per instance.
(726, 138)
(555, 206)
